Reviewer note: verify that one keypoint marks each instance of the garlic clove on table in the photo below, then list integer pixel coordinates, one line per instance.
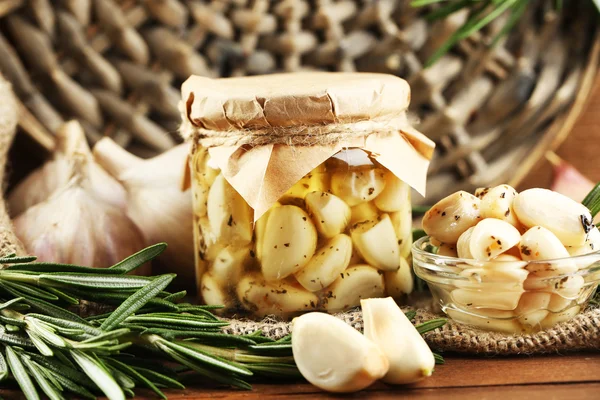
(333, 356)
(410, 359)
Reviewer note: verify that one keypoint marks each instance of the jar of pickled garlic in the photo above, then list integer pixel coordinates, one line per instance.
(301, 188)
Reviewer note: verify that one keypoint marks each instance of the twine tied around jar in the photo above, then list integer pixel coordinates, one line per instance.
(296, 135)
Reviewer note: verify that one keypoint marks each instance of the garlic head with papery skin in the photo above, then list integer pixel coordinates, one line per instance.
(73, 226)
(56, 173)
(156, 203)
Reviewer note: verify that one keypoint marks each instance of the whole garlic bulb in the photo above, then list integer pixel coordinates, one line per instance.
(74, 226)
(56, 173)
(155, 201)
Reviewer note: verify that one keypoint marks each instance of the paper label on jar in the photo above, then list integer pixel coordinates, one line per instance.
(262, 174)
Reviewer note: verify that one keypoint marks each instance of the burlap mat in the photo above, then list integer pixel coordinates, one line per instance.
(581, 333)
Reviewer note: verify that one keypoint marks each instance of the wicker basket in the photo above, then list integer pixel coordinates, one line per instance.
(117, 66)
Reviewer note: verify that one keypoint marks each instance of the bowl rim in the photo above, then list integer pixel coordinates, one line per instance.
(416, 249)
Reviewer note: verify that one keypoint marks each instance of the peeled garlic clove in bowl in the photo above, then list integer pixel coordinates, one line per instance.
(56, 173)
(156, 203)
(452, 216)
(569, 220)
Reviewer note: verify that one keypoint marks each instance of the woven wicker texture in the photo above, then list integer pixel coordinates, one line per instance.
(117, 66)
(582, 333)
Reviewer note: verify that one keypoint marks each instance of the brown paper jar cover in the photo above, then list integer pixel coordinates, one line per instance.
(321, 162)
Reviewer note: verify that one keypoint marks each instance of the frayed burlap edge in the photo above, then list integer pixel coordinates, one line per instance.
(581, 333)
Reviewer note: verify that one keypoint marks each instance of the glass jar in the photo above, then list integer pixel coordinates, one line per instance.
(301, 187)
(508, 296)
(341, 234)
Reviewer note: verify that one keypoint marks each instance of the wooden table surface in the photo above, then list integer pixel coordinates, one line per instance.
(550, 377)
(575, 376)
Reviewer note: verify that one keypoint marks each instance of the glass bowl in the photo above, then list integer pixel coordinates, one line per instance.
(508, 296)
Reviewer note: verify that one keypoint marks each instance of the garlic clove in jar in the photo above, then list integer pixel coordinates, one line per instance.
(402, 222)
(377, 243)
(451, 216)
(539, 243)
(358, 282)
(363, 212)
(394, 196)
(341, 360)
(229, 264)
(156, 203)
(592, 244)
(359, 186)
(329, 213)
(327, 264)
(569, 220)
(213, 292)
(497, 202)
(260, 228)
(409, 357)
(491, 237)
(205, 175)
(288, 243)
(57, 172)
(229, 215)
(463, 245)
(401, 282)
(277, 298)
(315, 181)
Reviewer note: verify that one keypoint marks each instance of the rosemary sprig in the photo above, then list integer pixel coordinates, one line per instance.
(51, 349)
